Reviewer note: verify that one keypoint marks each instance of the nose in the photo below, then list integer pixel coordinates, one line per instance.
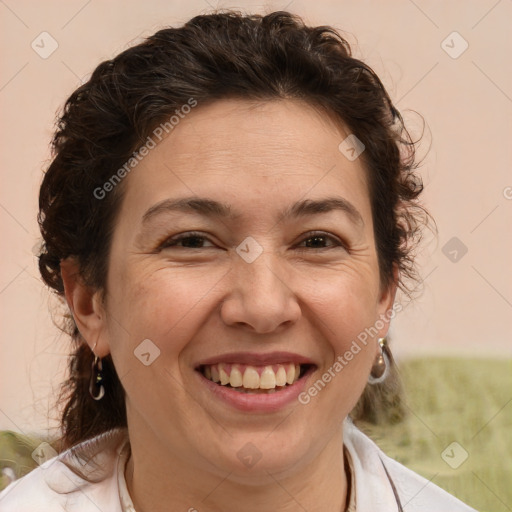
(261, 296)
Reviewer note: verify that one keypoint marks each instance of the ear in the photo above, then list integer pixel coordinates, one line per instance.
(387, 298)
(87, 308)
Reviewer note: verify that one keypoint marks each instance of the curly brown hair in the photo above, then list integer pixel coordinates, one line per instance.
(215, 56)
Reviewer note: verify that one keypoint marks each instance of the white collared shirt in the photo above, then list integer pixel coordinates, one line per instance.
(379, 483)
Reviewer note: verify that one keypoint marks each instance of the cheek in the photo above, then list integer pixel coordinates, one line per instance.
(345, 305)
(345, 317)
(345, 310)
(159, 304)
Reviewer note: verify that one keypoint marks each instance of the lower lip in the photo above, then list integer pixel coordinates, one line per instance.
(257, 402)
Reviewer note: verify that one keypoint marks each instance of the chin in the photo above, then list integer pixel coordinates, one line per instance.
(251, 457)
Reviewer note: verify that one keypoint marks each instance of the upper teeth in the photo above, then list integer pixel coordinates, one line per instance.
(252, 377)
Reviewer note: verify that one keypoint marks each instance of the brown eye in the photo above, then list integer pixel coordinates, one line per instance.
(191, 241)
(186, 241)
(316, 241)
(321, 240)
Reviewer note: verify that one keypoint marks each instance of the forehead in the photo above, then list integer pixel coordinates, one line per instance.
(244, 134)
(254, 153)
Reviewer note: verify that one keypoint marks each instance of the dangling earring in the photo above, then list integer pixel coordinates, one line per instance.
(96, 388)
(380, 368)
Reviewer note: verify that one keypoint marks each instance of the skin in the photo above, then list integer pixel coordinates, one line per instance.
(197, 302)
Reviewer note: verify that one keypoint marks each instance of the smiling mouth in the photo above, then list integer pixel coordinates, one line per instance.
(255, 379)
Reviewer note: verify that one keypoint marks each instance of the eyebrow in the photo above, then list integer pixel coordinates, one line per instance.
(203, 206)
(318, 206)
(211, 208)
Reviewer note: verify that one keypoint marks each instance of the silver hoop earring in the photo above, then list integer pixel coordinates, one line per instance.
(96, 387)
(380, 368)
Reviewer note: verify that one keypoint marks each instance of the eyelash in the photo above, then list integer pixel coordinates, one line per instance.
(173, 241)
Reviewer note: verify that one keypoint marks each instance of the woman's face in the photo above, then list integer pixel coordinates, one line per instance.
(259, 277)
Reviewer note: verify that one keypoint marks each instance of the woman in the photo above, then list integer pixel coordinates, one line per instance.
(229, 212)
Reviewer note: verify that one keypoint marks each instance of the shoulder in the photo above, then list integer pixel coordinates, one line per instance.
(392, 482)
(419, 493)
(80, 479)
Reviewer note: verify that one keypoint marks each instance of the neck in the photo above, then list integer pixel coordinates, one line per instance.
(159, 481)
